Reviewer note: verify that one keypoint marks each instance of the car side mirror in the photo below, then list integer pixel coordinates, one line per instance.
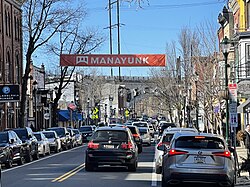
(67, 133)
(161, 147)
(12, 141)
(231, 149)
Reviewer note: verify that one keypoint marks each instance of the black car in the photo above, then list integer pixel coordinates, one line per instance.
(30, 143)
(11, 149)
(64, 135)
(86, 132)
(137, 137)
(164, 125)
(111, 146)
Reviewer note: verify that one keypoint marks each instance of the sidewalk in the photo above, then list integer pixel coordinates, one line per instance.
(243, 180)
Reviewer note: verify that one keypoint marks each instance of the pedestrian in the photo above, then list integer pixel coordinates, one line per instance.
(246, 139)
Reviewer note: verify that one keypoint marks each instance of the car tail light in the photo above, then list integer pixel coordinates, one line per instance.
(173, 152)
(92, 145)
(127, 145)
(226, 154)
(136, 136)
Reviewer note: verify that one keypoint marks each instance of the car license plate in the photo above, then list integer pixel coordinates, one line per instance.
(199, 159)
(109, 146)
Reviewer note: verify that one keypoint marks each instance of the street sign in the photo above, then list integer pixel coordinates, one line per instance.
(46, 116)
(9, 93)
(233, 91)
(233, 120)
(233, 107)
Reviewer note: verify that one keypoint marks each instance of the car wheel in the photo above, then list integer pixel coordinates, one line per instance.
(29, 157)
(157, 169)
(49, 152)
(21, 161)
(36, 155)
(9, 162)
(132, 167)
(139, 149)
(88, 166)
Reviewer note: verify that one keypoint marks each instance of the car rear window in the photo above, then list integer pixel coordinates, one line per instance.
(167, 137)
(133, 130)
(84, 129)
(143, 131)
(199, 142)
(140, 124)
(106, 135)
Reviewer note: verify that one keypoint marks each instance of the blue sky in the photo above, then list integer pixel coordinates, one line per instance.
(146, 30)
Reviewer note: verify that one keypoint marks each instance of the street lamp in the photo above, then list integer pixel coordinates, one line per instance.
(225, 46)
(196, 100)
(88, 111)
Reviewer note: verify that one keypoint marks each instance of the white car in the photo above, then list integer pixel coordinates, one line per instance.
(54, 140)
(43, 143)
(164, 143)
(145, 135)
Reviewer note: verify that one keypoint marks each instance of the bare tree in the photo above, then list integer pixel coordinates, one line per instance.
(42, 20)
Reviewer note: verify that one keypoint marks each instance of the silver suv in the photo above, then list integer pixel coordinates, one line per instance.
(198, 158)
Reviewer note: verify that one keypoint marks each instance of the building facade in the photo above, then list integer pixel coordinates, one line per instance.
(10, 57)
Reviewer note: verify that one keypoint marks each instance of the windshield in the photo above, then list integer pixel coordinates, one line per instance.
(38, 137)
(49, 134)
(76, 131)
(60, 131)
(4, 138)
(21, 133)
(84, 129)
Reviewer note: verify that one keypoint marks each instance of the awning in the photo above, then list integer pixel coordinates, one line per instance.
(242, 107)
(64, 115)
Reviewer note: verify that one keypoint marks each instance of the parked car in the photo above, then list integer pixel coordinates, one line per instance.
(137, 137)
(78, 136)
(11, 149)
(43, 144)
(198, 158)
(164, 142)
(30, 143)
(86, 132)
(145, 135)
(54, 140)
(63, 135)
(72, 138)
(111, 146)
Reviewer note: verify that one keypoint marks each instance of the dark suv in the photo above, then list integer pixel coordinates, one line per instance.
(111, 146)
(137, 137)
(30, 143)
(64, 136)
(11, 149)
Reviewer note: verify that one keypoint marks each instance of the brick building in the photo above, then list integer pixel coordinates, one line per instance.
(10, 57)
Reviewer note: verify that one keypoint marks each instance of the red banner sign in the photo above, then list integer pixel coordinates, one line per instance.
(113, 60)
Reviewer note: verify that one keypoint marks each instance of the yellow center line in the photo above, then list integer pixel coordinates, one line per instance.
(73, 173)
(75, 170)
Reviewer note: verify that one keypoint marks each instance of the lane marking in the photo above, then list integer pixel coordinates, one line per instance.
(40, 159)
(69, 174)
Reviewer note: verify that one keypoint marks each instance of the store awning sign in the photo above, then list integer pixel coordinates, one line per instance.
(9, 93)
